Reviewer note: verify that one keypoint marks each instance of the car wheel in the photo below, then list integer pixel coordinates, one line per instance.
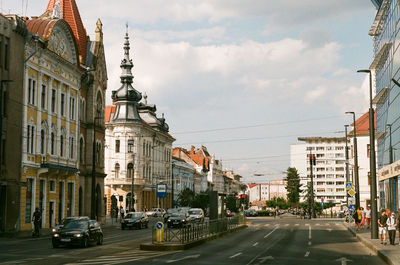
(100, 240)
(55, 245)
(85, 242)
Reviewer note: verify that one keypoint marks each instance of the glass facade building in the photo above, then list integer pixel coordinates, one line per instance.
(386, 65)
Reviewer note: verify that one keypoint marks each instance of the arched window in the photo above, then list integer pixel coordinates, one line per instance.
(81, 150)
(61, 145)
(98, 153)
(42, 141)
(52, 143)
(130, 170)
(99, 105)
(116, 170)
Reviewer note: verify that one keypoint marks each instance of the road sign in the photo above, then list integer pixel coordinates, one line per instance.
(352, 208)
(349, 185)
(352, 200)
(351, 192)
(322, 199)
(161, 190)
(322, 204)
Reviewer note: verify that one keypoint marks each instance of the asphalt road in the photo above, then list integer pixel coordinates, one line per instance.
(265, 241)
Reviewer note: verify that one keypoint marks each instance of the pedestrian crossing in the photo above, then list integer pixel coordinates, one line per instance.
(124, 257)
(326, 225)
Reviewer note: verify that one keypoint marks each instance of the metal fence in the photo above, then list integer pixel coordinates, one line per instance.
(196, 231)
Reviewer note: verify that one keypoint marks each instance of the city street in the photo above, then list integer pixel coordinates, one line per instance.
(265, 241)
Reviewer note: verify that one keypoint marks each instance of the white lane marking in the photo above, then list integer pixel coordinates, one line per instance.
(237, 254)
(296, 224)
(255, 244)
(309, 243)
(267, 235)
(318, 224)
(266, 225)
(307, 253)
(329, 229)
(309, 232)
(307, 224)
(276, 224)
(186, 257)
(343, 260)
(337, 224)
(286, 224)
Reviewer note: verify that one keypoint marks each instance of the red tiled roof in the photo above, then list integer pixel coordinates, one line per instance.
(109, 111)
(362, 125)
(70, 13)
(42, 27)
(252, 185)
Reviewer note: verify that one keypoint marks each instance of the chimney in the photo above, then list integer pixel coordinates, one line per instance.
(192, 150)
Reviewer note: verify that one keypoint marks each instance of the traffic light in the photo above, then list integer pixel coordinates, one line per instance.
(237, 196)
(243, 196)
(312, 159)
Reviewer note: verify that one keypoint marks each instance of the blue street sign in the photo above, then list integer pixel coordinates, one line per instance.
(159, 225)
(349, 185)
(352, 208)
(161, 190)
(322, 204)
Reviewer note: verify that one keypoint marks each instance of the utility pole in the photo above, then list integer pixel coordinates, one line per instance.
(347, 164)
(356, 179)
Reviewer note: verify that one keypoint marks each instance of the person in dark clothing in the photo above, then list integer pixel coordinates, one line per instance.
(382, 226)
(36, 218)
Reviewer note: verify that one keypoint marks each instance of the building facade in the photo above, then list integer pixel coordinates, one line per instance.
(386, 68)
(266, 191)
(329, 171)
(138, 150)
(183, 177)
(13, 34)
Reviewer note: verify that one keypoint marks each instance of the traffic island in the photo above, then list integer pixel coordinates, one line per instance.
(172, 246)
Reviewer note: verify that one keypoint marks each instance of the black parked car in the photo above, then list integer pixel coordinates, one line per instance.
(179, 219)
(135, 219)
(66, 220)
(78, 232)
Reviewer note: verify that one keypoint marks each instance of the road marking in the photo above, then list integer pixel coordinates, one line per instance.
(286, 224)
(296, 224)
(343, 260)
(307, 253)
(266, 225)
(270, 232)
(237, 254)
(337, 224)
(276, 224)
(309, 243)
(265, 258)
(309, 232)
(255, 244)
(307, 224)
(186, 257)
(329, 229)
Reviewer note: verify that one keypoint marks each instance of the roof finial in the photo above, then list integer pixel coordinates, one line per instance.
(145, 98)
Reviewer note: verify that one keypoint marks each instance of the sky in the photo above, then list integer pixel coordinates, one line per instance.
(245, 78)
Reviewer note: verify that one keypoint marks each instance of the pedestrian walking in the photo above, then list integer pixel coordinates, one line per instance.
(302, 213)
(362, 223)
(122, 212)
(36, 218)
(357, 217)
(368, 217)
(391, 226)
(382, 226)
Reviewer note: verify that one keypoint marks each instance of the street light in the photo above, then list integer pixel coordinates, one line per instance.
(372, 159)
(347, 164)
(356, 179)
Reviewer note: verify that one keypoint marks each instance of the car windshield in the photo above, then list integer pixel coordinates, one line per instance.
(76, 224)
(195, 212)
(133, 215)
(178, 214)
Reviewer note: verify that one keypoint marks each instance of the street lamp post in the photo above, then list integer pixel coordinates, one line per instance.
(372, 159)
(347, 164)
(356, 178)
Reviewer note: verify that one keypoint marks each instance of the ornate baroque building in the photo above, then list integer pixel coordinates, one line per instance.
(64, 87)
(138, 147)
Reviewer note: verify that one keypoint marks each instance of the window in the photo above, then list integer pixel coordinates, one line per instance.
(53, 100)
(130, 170)
(369, 178)
(368, 150)
(71, 147)
(72, 108)
(31, 91)
(116, 170)
(52, 185)
(52, 143)
(117, 144)
(6, 53)
(61, 145)
(98, 153)
(339, 148)
(70, 199)
(28, 200)
(81, 150)
(42, 142)
(62, 103)
(130, 146)
(4, 102)
(3, 151)
(30, 139)
(43, 99)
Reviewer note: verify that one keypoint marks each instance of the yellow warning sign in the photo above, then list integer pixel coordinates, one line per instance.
(351, 192)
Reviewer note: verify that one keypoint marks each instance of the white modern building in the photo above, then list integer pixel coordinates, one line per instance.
(267, 191)
(329, 171)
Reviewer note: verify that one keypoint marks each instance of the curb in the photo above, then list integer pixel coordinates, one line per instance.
(171, 247)
(371, 246)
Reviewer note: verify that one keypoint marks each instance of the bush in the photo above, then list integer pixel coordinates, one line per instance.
(264, 213)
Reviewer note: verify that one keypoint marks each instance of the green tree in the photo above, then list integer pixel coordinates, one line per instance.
(278, 202)
(231, 203)
(186, 198)
(293, 186)
(201, 200)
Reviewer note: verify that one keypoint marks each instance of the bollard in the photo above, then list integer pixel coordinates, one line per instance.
(159, 232)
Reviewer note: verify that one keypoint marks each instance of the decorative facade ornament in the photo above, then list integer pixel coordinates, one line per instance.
(57, 11)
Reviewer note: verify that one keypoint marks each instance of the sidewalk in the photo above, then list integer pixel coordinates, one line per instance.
(390, 254)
